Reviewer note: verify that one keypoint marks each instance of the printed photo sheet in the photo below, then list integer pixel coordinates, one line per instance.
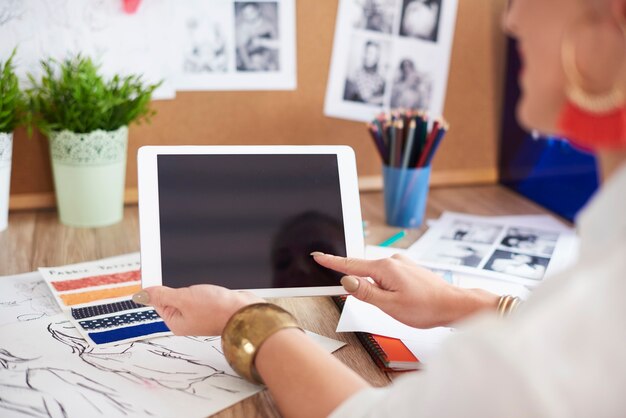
(235, 45)
(97, 298)
(519, 250)
(390, 54)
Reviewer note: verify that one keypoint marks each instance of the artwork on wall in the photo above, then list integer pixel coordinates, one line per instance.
(390, 54)
(191, 45)
(233, 45)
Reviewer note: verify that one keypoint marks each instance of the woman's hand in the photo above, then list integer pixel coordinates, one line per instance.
(409, 293)
(195, 310)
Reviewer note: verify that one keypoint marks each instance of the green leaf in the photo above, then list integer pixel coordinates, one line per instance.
(74, 95)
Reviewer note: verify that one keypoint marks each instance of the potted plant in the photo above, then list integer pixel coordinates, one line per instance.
(12, 112)
(86, 118)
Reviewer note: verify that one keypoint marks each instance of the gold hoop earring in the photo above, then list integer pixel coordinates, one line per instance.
(590, 102)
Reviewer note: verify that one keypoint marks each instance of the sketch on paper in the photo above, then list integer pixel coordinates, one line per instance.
(235, 45)
(25, 297)
(121, 43)
(390, 54)
(47, 369)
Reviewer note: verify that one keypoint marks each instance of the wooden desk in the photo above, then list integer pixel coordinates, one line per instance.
(36, 238)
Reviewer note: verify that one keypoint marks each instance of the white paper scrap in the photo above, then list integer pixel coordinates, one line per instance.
(359, 316)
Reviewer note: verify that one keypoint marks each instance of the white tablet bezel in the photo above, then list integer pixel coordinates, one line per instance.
(149, 226)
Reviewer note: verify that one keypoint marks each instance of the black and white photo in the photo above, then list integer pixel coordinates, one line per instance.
(530, 240)
(518, 264)
(472, 232)
(456, 254)
(412, 88)
(257, 36)
(375, 15)
(420, 19)
(366, 78)
(207, 50)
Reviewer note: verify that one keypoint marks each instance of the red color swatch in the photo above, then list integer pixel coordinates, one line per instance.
(105, 279)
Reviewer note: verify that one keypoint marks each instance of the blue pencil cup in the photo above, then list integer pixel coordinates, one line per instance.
(406, 192)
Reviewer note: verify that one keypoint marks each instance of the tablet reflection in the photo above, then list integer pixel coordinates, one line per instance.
(296, 239)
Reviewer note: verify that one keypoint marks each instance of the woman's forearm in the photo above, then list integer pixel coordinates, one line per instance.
(304, 380)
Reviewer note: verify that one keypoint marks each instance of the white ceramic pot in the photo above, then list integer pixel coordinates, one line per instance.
(89, 171)
(6, 150)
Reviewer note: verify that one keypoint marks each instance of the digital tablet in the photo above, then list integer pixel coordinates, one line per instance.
(247, 217)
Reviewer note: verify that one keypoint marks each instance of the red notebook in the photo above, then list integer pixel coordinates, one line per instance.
(390, 354)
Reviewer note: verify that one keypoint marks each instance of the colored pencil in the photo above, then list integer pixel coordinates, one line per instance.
(408, 151)
(406, 138)
(393, 239)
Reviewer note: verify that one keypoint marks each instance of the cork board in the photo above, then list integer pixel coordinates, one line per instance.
(468, 155)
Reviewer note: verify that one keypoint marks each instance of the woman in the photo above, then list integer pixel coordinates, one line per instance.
(561, 353)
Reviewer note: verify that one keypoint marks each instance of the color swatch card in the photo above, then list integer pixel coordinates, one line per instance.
(97, 297)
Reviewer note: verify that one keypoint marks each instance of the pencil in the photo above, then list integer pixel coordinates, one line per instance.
(408, 149)
(436, 142)
(373, 130)
(429, 143)
(393, 239)
(399, 142)
(392, 146)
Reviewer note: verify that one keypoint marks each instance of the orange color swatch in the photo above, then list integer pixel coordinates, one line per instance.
(70, 299)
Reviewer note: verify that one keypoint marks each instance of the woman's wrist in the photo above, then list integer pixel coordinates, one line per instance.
(467, 302)
(247, 330)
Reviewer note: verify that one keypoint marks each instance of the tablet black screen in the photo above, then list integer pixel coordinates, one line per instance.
(249, 221)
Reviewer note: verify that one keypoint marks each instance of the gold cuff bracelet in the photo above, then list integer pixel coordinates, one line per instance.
(247, 330)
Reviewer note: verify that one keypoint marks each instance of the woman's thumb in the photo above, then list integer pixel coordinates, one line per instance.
(159, 297)
(363, 290)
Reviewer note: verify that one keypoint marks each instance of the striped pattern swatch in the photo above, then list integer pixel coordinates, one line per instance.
(107, 308)
(119, 320)
(125, 333)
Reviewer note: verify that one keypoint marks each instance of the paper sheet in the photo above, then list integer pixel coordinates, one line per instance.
(49, 370)
(227, 45)
(390, 54)
(126, 44)
(96, 296)
(518, 249)
(358, 316)
(25, 297)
